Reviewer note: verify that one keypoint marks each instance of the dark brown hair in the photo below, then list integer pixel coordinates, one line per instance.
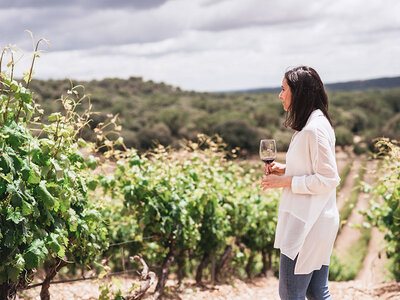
(308, 94)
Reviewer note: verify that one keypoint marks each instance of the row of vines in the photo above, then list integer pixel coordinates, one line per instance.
(194, 207)
(385, 212)
(195, 210)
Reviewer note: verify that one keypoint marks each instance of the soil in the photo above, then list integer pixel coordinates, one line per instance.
(374, 269)
(347, 187)
(257, 289)
(375, 262)
(348, 233)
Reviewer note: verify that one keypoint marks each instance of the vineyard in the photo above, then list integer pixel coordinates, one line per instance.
(193, 221)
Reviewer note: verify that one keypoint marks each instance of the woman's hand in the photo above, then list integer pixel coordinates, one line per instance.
(275, 168)
(275, 181)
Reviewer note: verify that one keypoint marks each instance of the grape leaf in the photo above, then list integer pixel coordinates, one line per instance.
(14, 216)
(24, 94)
(91, 162)
(45, 196)
(35, 254)
(34, 174)
(54, 117)
(58, 170)
(26, 208)
(17, 134)
(13, 273)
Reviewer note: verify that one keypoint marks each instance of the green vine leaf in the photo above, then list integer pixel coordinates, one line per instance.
(14, 216)
(45, 196)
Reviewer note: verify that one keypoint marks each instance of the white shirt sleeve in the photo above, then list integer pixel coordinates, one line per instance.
(325, 177)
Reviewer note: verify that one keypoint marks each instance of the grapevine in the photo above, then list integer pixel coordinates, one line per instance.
(386, 213)
(45, 216)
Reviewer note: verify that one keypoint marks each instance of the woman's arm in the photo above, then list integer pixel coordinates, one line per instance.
(326, 176)
(322, 181)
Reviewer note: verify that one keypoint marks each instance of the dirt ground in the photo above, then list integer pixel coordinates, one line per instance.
(258, 289)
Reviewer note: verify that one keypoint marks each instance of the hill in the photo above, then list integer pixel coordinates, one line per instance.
(355, 85)
(150, 111)
(378, 83)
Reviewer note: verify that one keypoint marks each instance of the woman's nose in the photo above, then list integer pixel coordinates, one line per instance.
(280, 95)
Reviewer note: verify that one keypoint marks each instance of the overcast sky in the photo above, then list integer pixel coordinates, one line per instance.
(207, 45)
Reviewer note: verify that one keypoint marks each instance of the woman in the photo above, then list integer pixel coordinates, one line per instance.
(308, 219)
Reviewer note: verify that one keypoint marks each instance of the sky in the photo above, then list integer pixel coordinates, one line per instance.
(205, 45)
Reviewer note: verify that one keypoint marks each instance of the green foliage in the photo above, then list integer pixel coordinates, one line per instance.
(44, 208)
(148, 137)
(111, 290)
(339, 271)
(282, 138)
(392, 128)
(343, 175)
(174, 119)
(385, 213)
(261, 222)
(194, 199)
(360, 148)
(239, 132)
(155, 111)
(344, 137)
(352, 200)
(347, 267)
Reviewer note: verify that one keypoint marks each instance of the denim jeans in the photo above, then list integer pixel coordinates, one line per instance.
(297, 287)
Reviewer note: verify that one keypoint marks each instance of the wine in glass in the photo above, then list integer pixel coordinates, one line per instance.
(267, 151)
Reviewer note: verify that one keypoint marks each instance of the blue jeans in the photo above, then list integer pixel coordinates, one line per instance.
(297, 287)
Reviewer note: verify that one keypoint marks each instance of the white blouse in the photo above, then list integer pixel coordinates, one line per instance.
(308, 219)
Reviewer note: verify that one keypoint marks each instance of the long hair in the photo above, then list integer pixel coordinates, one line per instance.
(308, 94)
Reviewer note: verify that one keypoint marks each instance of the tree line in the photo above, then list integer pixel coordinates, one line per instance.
(150, 112)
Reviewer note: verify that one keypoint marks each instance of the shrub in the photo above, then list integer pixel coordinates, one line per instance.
(344, 137)
(239, 133)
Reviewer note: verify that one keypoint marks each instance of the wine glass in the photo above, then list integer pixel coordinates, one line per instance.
(267, 151)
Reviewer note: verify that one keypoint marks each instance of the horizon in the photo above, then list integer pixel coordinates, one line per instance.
(227, 91)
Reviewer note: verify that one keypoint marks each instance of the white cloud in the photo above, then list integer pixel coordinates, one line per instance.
(222, 45)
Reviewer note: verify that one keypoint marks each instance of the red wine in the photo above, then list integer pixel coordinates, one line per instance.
(267, 160)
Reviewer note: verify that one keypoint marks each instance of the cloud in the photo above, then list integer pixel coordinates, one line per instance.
(77, 25)
(210, 45)
(253, 13)
(98, 4)
(77, 28)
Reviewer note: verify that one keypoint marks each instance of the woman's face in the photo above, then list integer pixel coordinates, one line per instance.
(285, 95)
